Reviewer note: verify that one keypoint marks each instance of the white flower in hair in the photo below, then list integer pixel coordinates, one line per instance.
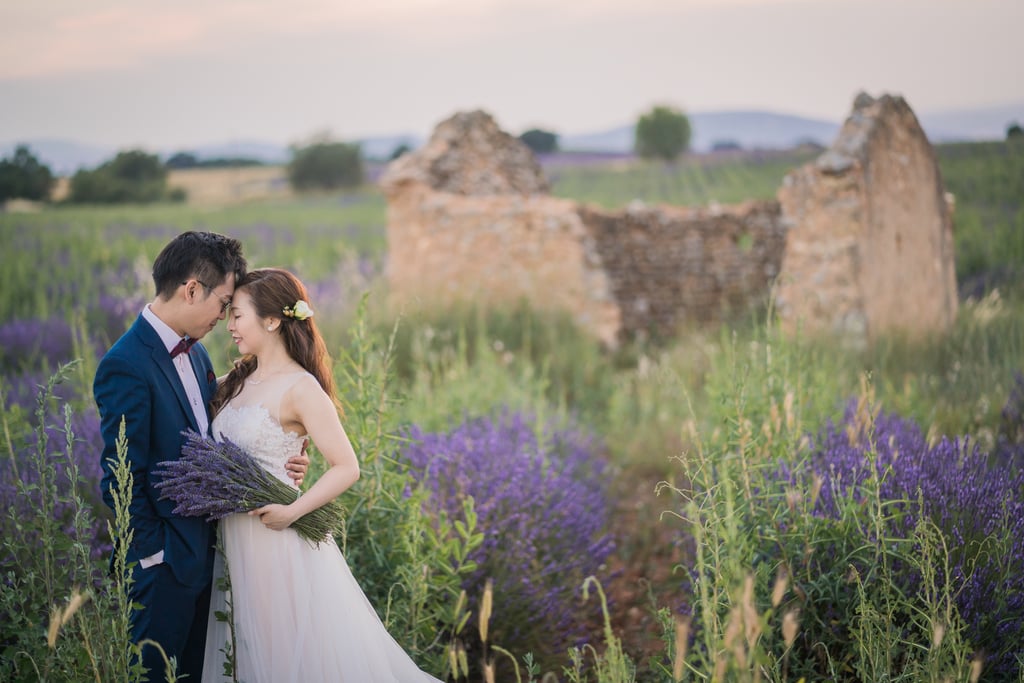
(300, 311)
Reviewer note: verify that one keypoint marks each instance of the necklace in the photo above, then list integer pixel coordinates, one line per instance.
(252, 379)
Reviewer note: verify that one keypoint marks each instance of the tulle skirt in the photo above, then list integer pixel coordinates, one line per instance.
(299, 615)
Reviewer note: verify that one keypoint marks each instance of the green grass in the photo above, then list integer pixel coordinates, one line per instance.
(692, 181)
(650, 403)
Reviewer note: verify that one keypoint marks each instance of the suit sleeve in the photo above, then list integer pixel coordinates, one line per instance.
(120, 390)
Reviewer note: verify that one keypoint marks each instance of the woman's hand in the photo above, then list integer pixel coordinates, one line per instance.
(275, 516)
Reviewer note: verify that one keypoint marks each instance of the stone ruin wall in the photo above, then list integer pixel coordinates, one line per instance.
(859, 242)
(870, 241)
(672, 267)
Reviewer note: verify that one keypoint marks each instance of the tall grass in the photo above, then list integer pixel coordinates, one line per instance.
(714, 412)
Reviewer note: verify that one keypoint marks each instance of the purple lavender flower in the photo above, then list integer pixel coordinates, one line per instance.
(26, 342)
(21, 476)
(214, 479)
(542, 504)
(977, 507)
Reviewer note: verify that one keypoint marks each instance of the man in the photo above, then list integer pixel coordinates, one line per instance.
(160, 380)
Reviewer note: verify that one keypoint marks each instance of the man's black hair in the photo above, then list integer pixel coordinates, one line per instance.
(205, 256)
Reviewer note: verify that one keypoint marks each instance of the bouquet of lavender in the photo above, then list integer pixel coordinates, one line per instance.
(214, 479)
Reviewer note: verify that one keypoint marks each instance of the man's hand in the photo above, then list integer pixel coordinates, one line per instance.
(297, 465)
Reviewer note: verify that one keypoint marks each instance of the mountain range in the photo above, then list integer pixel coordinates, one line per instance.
(749, 129)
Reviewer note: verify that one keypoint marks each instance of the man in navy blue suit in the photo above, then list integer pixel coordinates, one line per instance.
(160, 380)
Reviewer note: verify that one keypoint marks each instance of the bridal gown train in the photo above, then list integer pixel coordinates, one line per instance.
(299, 615)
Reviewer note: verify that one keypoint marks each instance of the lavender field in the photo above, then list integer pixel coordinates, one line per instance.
(752, 507)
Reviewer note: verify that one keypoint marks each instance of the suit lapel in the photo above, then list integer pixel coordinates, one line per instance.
(200, 369)
(162, 360)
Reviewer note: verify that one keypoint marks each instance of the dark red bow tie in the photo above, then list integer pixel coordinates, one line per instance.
(183, 346)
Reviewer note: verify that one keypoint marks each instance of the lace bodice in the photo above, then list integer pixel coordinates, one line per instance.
(259, 435)
(247, 421)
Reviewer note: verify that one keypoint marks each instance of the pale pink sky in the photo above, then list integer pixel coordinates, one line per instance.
(161, 74)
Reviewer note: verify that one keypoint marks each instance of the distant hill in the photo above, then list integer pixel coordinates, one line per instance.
(768, 130)
(749, 129)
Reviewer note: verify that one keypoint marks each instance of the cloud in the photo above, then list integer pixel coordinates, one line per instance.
(63, 37)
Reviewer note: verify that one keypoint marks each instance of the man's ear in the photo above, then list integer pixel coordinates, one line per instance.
(190, 289)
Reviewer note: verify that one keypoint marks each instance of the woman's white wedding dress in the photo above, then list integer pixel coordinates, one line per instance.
(298, 613)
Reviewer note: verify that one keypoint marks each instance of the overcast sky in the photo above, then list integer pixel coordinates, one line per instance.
(165, 74)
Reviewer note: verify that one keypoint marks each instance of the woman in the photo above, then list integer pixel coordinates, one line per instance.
(297, 612)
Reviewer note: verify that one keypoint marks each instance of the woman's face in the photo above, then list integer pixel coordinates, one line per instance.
(248, 330)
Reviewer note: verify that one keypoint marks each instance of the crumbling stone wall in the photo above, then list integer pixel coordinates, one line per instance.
(859, 242)
(870, 242)
(483, 229)
(670, 267)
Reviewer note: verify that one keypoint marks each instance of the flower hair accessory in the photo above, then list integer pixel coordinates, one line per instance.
(300, 311)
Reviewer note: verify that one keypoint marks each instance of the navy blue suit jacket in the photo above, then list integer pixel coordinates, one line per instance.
(137, 380)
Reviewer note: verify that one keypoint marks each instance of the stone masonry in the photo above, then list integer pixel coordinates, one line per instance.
(470, 220)
(869, 249)
(857, 239)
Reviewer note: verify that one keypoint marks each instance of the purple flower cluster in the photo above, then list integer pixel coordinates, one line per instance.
(214, 479)
(977, 505)
(541, 501)
(33, 341)
(23, 476)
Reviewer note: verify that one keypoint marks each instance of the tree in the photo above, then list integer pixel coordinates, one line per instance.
(540, 141)
(399, 151)
(22, 176)
(1014, 131)
(131, 176)
(326, 166)
(182, 160)
(662, 133)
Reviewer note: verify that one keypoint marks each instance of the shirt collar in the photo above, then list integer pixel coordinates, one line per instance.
(169, 337)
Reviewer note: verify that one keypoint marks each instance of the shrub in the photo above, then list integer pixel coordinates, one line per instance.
(977, 508)
(662, 133)
(540, 141)
(52, 545)
(132, 176)
(540, 498)
(22, 176)
(326, 166)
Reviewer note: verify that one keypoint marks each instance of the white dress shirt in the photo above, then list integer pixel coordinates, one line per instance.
(183, 365)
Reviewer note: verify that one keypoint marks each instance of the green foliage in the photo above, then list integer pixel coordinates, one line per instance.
(985, 179)
(23, 176)
(691, 181)
(445, 364)
(763, 561)
(540, 141)
(133, 176)
(410, 566)
(183, 160)
(662, 133)
(399, 151)
(469, 362)
(63, 618)
(326, 166)
(1014, 131)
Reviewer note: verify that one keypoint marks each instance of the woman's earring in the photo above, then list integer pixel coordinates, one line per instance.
(270, 328)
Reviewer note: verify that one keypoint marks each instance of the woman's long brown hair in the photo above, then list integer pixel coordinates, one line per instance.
(272, 290)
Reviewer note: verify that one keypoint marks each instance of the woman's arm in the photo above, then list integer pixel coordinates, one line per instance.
(308, 407)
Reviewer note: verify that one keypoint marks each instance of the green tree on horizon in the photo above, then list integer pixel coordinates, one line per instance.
(23, 176)
(133, 176)
(540, 141)
(662, 133)
(326, 165)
